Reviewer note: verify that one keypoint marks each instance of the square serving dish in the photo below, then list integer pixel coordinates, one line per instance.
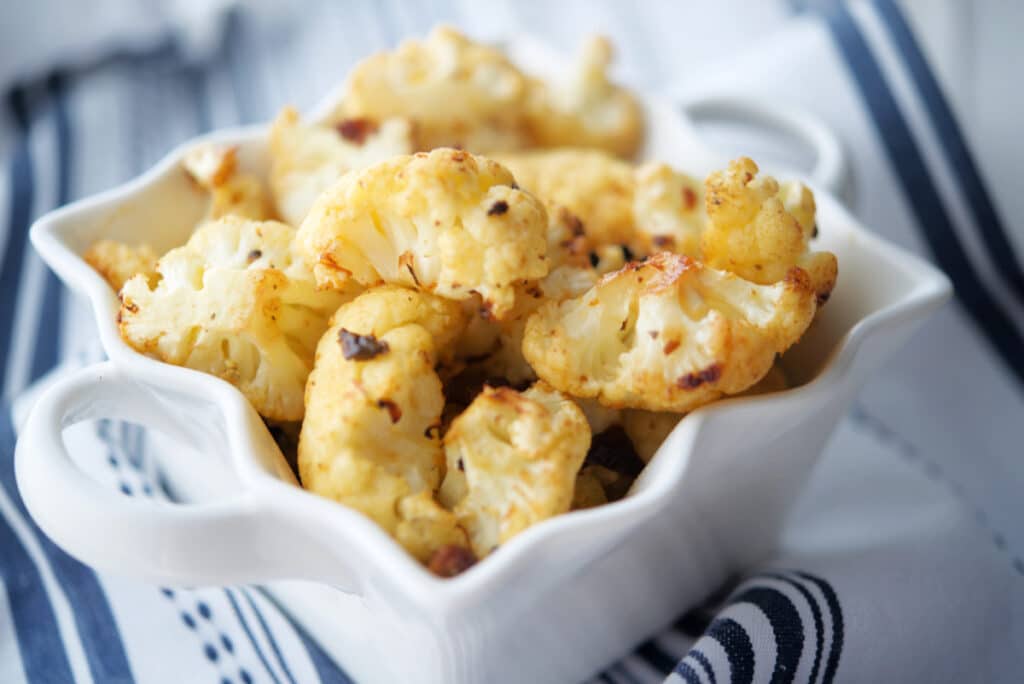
(556, 604)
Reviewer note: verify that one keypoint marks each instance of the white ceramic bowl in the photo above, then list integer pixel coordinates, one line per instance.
(555, 604)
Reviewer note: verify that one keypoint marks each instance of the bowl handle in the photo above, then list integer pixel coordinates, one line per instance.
(830, 170)
(217, 543)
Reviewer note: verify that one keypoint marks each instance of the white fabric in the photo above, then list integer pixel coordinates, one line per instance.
(911, 518)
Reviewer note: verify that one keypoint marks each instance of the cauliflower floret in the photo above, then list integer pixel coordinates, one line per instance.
(774, 381)
(589, 489)
(593, 185)
(647, 430)
(512, 462)
(305, 159)
(587, 109)
(371, 437)
(232, 192)
(117, 261)
(458, 93)
(668, 207)
(760, 232)
(668, 334)
(444, 221)
(233, 302)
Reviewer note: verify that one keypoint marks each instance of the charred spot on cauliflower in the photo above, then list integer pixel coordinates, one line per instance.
(252, 322)
(367, 441)
(512, 462)
(760, 231)
(233, 192)
(117, 262)
(668, 207)
(423, 221)
(587, 109)
(668, 334)
(307, 159)
(456, 91)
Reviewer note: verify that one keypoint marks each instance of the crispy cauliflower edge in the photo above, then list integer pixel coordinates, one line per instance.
(307, 159)
(445, 222)
(587, 109)
(233, 302)
(760, 231)
(512, 461)
(117, 261)
(371, 437)
(457, 92)
(668, 334)
(214, 168)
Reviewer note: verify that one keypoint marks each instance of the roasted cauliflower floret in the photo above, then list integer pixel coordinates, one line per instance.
(458, 93)
(512, 462)
(587, 109)
(307, 159)
(444, 221)
(117, 261)
(647, 430)
(668, 207)
(668, 334)
(233, 192)
(593, 185)
(233, 302)
(371, 437)
(759, 231)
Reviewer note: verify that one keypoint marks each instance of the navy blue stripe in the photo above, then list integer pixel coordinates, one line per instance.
(94, 620)
(838, 627)
(954, 147)
(688, 674)
(327, 669)
(787, 627)
(270, 636)
(908, 164)
(48, 329)
(248, 633)
(735, 641)
(22, 196)
(35, 625)
(656, 656)
(819, 628)
(703, 661)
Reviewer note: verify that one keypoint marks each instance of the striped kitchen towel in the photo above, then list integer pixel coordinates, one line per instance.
(902, 562)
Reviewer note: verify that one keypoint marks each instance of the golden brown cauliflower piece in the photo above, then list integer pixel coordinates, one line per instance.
(307, 159)
(371, 437)
(593, 185)
(668, 334)
(512, 462)
(760, 231)
(235, 303)
(647, 430)
(668, 208)
(587, 109)
(445, 222)
(458, 93)
(233, 192)
(117, 261)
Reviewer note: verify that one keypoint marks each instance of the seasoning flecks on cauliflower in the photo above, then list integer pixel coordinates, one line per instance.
(668, 334)
(233, 302)
(233, 192)
(760, 231)
(307, 159)
(371, 436)
(117, 261)
(668, 207)
(587, 109)
(512, 462)
(593, 185)
(458, 93)
(446, 222)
